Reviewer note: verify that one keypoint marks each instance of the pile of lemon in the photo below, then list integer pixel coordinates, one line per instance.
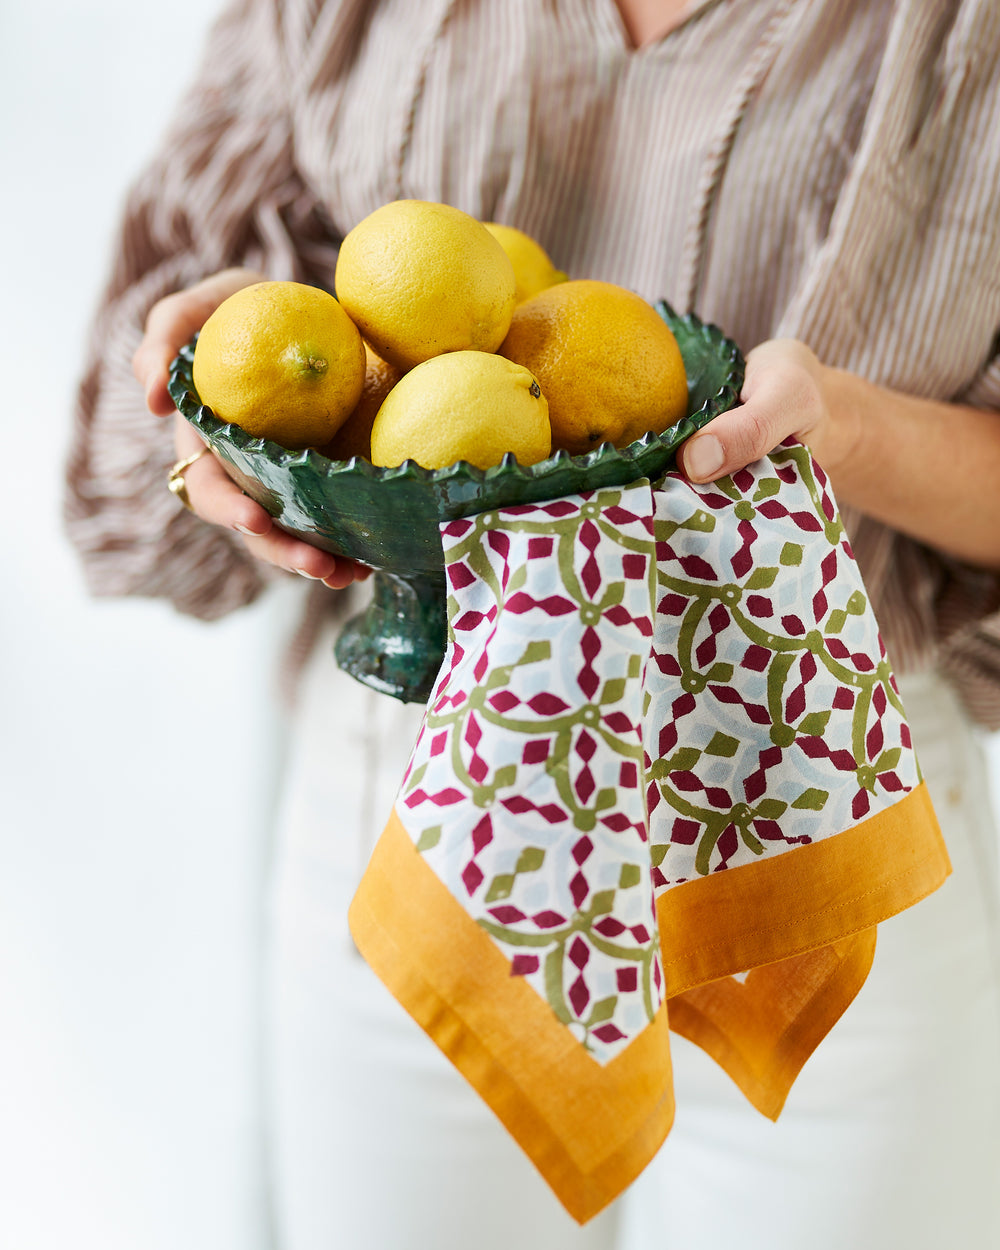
(449, 339)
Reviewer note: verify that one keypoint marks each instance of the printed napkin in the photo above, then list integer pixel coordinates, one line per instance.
(664, 782)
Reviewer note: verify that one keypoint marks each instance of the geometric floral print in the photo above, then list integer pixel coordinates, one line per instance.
(644, 685)
(776, 717)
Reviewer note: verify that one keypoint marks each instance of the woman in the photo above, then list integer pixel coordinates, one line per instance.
(819, 177)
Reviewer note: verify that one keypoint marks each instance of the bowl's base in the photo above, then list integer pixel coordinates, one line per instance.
(397, 644)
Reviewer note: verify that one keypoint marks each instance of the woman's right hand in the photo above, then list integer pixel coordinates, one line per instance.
(171, 323)
(212, 494)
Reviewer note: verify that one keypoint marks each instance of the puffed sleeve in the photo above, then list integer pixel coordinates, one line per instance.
(223, 191)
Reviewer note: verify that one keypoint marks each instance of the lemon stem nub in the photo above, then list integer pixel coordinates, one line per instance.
(316, 364)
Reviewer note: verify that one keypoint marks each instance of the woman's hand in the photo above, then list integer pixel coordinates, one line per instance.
(216, 498)
(924, 467)
(786, 393)
(171, 323)
(212, 494)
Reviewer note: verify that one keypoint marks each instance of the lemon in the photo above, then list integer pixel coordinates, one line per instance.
(281, 360)
(606, 361)
(465, 405)
(533, 268)
(354, 438)
(420, 278)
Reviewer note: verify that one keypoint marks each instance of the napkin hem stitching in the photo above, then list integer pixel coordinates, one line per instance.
(798, 920)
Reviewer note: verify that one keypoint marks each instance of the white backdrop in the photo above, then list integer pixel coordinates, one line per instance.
(130, 874)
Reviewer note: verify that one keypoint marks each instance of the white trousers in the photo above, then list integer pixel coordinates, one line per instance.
(890, 1138)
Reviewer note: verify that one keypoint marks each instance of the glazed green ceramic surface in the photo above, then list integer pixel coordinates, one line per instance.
(397, 644)
(389, 518)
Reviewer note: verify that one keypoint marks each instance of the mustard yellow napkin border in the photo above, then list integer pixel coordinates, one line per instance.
(591, 1129)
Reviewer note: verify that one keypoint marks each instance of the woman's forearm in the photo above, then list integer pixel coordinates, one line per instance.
(926, 468)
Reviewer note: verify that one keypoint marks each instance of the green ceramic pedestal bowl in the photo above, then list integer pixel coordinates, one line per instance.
(390, 518)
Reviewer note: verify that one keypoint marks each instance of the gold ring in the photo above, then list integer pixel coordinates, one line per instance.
(175, 478)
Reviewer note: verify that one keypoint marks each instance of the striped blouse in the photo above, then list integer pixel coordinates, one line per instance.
(827, 170)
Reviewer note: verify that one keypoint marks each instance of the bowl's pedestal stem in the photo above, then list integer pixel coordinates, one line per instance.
(397, 644)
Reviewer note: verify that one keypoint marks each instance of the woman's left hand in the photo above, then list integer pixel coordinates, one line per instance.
(925, 467)
(787, 392)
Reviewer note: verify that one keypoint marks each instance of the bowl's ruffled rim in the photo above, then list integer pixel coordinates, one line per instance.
(561, 474)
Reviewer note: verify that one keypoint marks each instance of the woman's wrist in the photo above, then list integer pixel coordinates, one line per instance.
(841, 443)
(924, 467)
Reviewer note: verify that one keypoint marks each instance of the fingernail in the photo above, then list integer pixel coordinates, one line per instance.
(244, 529)
(703, 457)
(311, 576)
